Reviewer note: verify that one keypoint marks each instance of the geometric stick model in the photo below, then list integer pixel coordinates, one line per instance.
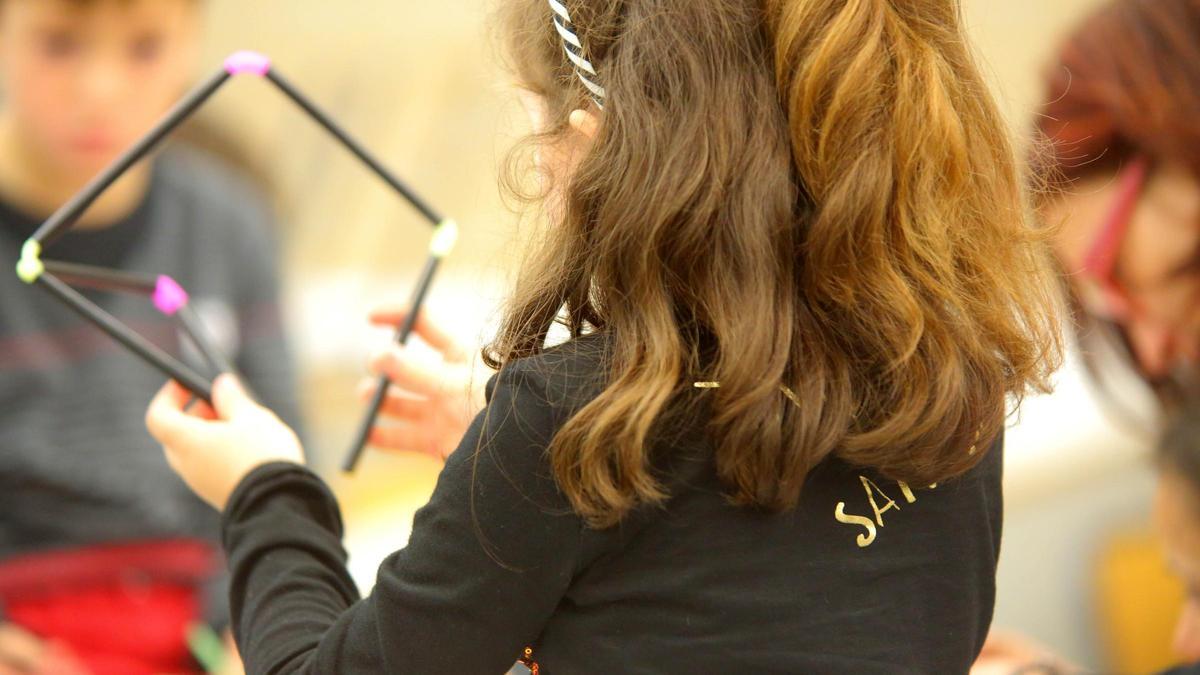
(167, 295)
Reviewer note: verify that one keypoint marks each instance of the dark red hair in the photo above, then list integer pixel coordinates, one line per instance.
(1126, 84)
(1126, 81)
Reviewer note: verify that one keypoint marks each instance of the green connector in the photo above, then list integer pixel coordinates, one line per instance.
(207, 647)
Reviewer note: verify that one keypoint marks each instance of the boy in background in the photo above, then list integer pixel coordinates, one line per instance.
(106, 570)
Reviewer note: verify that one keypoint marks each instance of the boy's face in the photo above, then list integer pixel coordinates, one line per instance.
(83, 79)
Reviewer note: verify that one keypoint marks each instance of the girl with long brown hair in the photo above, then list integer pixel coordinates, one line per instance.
(788, 242)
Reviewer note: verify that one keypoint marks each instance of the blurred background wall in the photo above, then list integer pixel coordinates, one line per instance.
(420, 84)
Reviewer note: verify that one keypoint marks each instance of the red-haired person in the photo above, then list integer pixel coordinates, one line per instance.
(787, 241)
(1121, 121)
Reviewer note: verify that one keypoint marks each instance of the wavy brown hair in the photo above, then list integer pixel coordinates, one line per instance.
(797, 198)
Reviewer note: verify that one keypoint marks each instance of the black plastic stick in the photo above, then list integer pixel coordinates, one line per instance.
(69, 213)
(382, 384)
(118, 331)
(354, 146)
(190, 323)
(102, 278)
(66, 216)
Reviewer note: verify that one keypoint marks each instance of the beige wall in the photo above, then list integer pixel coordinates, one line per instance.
(1015, 38)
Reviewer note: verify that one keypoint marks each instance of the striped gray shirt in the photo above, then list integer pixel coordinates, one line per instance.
(77, 466)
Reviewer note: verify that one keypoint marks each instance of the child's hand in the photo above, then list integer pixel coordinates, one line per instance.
(1005, 653)
(23, 653)
(213, 450)
(430, 403)
(233, 660)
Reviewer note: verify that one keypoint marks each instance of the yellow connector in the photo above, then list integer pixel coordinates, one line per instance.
(30, 267)
(444, 238)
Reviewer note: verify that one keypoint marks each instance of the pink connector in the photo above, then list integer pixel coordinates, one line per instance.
(169, 296)
(247, 63)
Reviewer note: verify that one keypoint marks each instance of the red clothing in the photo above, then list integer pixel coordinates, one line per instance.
(121, 609)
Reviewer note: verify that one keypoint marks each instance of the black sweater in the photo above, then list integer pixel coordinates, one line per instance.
(498, 561)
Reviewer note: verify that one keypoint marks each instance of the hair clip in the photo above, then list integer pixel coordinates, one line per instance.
(573, 46)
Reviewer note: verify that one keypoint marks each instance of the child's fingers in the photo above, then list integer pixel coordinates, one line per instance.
(60, 660)
(404, 438)
(230, 399)
(20, 651)
(169, 401)
(165, 417)
(430, 332)
(406, 372)
(177, 394)
(397, 404)
(388, 315)
(197, 407)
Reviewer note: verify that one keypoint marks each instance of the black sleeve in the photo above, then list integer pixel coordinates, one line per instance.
(490, 556)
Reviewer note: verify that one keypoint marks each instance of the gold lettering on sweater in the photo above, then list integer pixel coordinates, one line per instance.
(872, 527)
(872, 489)
(864, 540)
